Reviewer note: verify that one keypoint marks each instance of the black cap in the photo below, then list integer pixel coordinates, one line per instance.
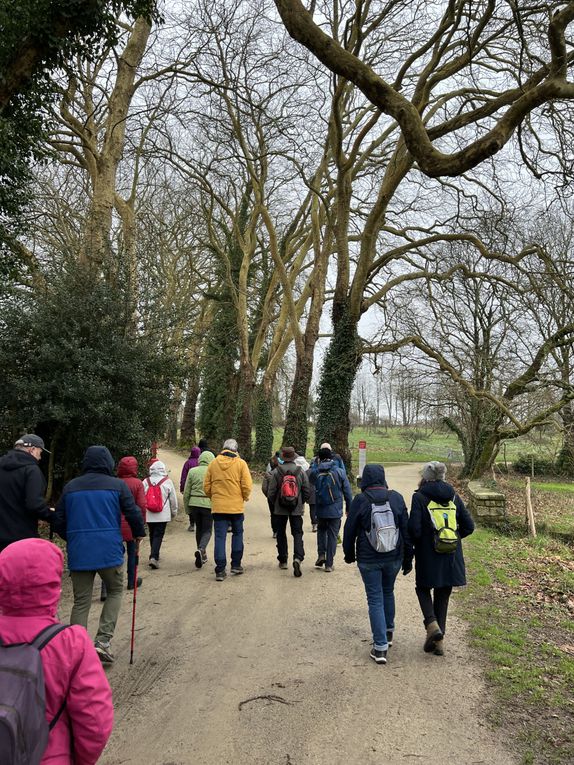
(30, 439)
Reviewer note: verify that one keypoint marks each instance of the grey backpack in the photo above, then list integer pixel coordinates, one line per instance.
(383, 533)
(23, 728)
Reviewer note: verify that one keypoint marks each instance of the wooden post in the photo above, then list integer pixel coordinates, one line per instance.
(529, 510)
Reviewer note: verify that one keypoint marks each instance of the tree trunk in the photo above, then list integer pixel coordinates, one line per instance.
(565, 461)
(264, 425)
(296, 426)
(187, 434)
(245, 410)
(338, 374)
(172, 420)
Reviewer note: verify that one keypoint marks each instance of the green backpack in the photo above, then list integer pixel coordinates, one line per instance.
(443, 519)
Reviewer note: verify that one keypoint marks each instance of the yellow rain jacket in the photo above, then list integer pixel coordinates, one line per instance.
(227, 483)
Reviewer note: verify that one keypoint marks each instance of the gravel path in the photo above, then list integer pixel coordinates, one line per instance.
(266, 669)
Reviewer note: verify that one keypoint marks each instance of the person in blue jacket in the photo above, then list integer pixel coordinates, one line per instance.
(331, 487)
(378, 570)
(88, 517)
(434, 571)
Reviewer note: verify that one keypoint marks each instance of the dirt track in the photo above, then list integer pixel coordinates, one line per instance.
(266, 669)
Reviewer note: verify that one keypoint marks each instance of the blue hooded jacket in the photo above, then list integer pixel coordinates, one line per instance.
(334, 509)
(88, 514)
(356, 546)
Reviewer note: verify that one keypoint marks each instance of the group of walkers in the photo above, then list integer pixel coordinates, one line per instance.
(98, 513)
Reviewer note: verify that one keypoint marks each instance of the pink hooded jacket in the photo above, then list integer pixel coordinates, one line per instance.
(30, 589)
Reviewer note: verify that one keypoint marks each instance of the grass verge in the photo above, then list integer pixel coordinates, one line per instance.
(520, 605)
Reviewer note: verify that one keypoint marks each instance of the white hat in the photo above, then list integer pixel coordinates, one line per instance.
(325, 446)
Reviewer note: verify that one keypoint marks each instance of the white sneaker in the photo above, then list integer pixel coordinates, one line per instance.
(153, 563)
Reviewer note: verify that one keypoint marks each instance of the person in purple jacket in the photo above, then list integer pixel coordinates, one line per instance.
(191, 462)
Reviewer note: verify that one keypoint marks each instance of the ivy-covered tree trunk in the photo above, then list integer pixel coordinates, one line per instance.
(340, 367)
(187, 435)
(565, 461)
(264, 425)
(173, 417)
(296, 425)
(245, 411)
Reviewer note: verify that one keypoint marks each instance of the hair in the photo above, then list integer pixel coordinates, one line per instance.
(231, 444)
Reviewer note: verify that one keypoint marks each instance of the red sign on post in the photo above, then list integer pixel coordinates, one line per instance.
(362, 444)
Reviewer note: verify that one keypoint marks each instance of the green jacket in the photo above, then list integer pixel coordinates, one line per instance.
(193, 494)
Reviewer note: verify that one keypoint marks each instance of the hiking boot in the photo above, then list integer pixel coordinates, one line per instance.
(153, 563)
(379, 656)
(320, 561)
(314, 528)
(104, 652)
(236, 570)
(328, 569)
(297, 567)
(191, 527)
(198, 559)
(203, 555)
(140, 582)
(283, 564)
(439, 647)
(433, 635)
(274, 535)
(389, 638)
(220, 576)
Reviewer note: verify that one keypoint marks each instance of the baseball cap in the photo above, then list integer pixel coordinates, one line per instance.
(30, 439)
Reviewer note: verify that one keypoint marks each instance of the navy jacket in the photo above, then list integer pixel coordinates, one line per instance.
(22, 487)
(334, 509)
(88, 514)
(356, 546)
(437, 569)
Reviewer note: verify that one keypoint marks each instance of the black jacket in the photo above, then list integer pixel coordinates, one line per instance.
(274, 486)
(355, 542)
(22, 504)
(437, 569)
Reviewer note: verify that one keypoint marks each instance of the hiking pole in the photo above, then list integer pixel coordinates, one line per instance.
(134, 602)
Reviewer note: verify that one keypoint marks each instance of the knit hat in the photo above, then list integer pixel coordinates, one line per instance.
(325, 453)
(288, 453)
(434, 471)
(325, 446)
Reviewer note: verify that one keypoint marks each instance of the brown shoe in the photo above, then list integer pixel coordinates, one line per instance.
(439, 647)
(434, 634)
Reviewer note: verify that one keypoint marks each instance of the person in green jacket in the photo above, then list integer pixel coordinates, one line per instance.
(199, 506)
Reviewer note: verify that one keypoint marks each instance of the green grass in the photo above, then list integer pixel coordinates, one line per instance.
(392, 445)
(520, 624)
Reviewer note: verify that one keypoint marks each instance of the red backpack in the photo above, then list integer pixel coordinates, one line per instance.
(289, 491)
(153, 495)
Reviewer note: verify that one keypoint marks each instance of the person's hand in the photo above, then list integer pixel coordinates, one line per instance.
(407, 568)
(350, 559)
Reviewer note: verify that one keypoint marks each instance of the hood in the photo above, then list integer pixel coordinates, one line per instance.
(373, 475)
(439, 491)
(128, 467)
(194, 453)
(157, 471)
(226, 459)
(206, 457)
(16, 459)
(97, 459)
(30, 578)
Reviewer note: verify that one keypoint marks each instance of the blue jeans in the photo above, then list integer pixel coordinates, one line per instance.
(220, 523)
(379, 581)
(327, 533)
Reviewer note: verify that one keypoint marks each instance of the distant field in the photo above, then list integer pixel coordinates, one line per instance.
(394, 445)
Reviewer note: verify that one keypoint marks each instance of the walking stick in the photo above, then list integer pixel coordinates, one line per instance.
(134, 602)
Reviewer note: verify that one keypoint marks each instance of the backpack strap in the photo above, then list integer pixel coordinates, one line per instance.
(40, 641)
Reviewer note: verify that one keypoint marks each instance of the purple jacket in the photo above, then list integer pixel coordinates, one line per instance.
(191, 462)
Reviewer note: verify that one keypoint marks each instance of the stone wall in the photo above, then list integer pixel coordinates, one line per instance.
(486, 505)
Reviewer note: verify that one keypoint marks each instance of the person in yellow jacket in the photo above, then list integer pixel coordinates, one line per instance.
(228, 484)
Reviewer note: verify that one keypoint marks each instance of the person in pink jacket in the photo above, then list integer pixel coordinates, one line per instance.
(30, 589)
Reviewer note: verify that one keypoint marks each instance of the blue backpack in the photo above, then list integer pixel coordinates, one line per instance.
(23, 728)
(328, 488)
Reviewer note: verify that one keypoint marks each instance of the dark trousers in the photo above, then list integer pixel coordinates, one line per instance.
(203, 525)
(271, 506)
(327, 533)
(296, 523)
(434, 606)
(156, 532)
(131, 556)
